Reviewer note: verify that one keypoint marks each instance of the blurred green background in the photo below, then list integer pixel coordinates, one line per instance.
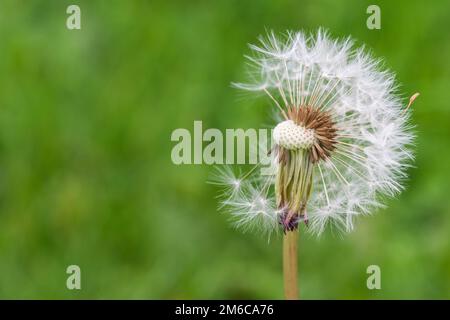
(86, 176)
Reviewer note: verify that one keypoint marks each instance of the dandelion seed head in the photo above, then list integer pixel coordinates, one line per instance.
(344, 139)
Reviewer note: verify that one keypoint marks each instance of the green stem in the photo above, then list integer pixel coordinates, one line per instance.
(290, 241)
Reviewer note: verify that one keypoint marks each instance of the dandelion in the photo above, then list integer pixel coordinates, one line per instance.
(343, 141)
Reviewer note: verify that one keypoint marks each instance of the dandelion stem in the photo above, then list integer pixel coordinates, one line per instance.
(290, 240)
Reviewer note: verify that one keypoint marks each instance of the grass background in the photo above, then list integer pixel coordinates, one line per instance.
(85, 171)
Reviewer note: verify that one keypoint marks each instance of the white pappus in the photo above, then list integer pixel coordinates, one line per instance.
(344, 140)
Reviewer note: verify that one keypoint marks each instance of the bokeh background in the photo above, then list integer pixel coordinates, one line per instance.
(86, 176)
